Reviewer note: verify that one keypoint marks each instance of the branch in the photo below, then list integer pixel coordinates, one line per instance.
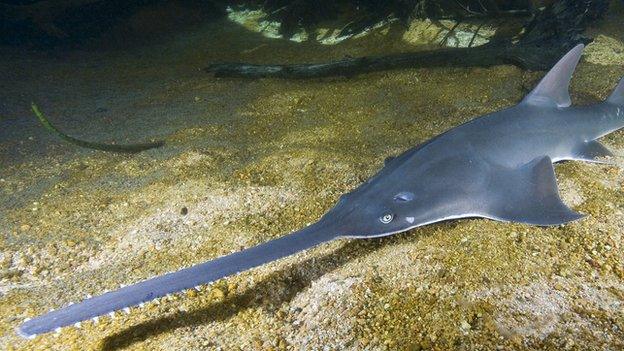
(532, 58)
(129, 148)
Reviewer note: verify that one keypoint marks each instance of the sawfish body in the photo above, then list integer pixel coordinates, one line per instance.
(498, 166)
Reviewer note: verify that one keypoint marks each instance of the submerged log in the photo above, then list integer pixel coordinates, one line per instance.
(532, 58)
(550, 34)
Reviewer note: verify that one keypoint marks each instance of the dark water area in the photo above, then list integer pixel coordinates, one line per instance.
(77, 24)
(249, 159)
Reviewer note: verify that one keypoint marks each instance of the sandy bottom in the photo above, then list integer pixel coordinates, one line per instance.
(252, 160)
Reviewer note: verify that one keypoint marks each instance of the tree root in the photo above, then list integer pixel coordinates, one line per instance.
(549, 34)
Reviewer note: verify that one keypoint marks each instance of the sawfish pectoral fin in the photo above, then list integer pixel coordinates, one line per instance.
(529, 194)
(590, 151)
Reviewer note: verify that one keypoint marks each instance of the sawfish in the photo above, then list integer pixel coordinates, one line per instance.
(498, 166)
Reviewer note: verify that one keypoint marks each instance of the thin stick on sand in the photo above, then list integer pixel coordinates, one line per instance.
(128, 148)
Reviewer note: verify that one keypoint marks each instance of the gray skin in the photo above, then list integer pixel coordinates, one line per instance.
(498, 166)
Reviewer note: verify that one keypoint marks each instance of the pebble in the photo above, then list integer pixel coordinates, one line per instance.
(9, 273)
(257, 344)
(364, 341)
(218, 294)
(24, 261)
(37, 270)
(231, 288)
(281, 344)
(5, 262)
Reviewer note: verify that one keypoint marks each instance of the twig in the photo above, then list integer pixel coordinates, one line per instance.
(485, 10)
(450, 32)
(129, 148)
(475, 34)
(467, 9)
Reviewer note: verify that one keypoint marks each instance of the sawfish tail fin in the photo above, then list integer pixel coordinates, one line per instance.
(617, 96)
(183, 279)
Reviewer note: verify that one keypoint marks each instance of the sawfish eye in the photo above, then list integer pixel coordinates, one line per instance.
(386, 218)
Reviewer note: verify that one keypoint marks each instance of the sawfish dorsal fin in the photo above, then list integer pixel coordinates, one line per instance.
(552, 90)
(529, 194)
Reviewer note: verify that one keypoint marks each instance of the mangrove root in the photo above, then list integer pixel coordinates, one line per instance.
(551, 32)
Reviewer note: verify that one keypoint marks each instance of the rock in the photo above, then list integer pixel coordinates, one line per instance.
(9, 273)
(6, 261)
(465, 326)
(605, 50)
(218, 294)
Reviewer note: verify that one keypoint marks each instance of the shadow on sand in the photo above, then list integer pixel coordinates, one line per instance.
(287, 281)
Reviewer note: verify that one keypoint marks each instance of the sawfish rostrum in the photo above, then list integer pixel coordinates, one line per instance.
(498, 166)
